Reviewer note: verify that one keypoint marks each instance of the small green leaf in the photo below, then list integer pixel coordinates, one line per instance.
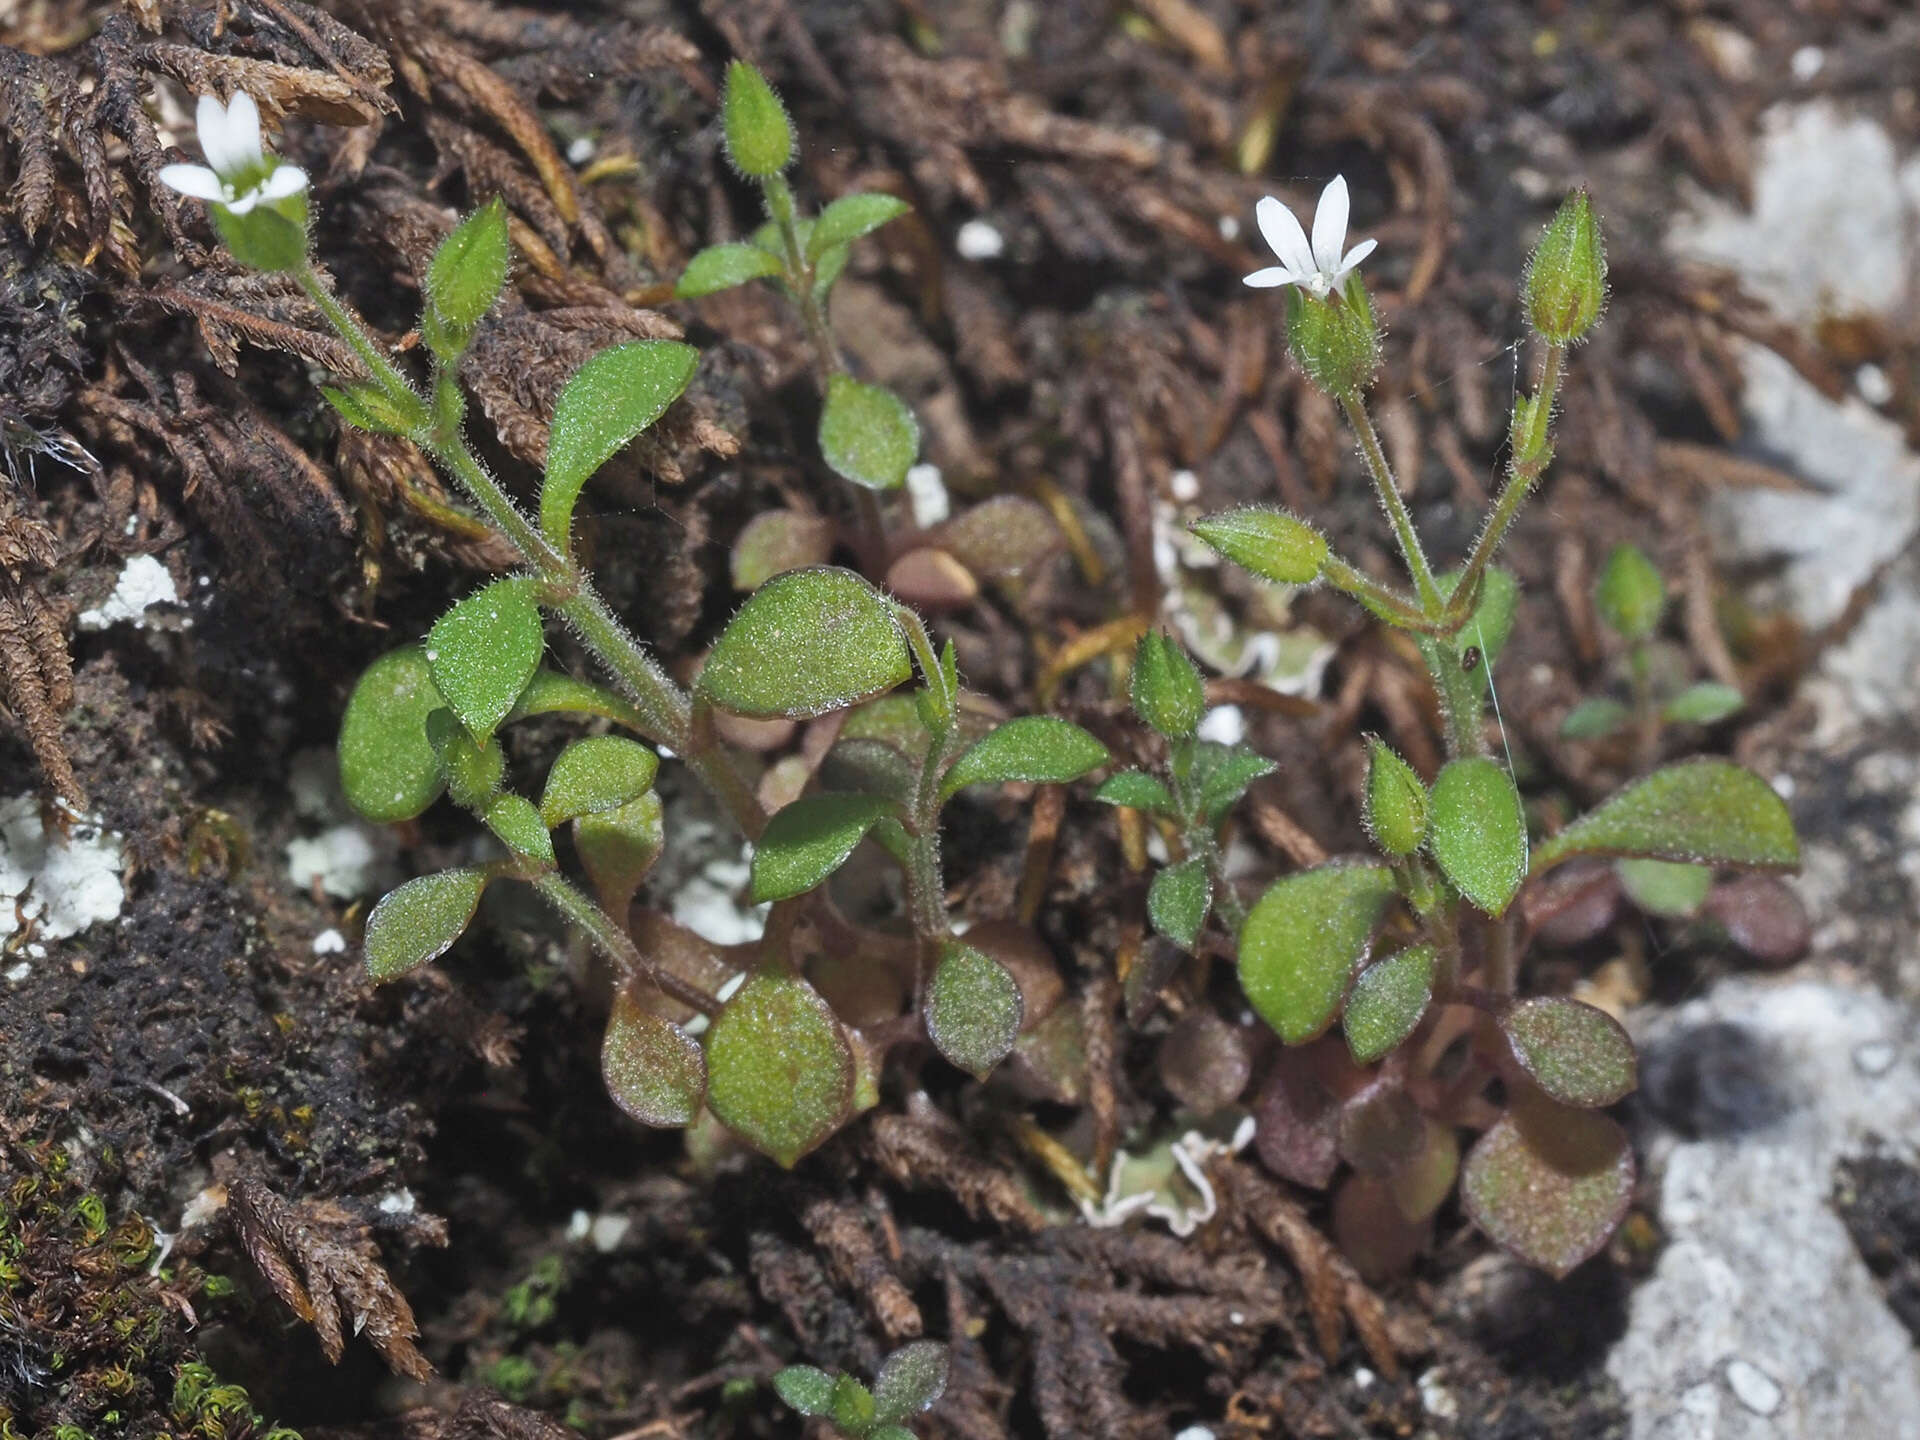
(805, 1389)
(776, 541)
(517, 824)
(850, 217)
(1707, 703)
(1491, 623)
(1388, 1002)
(826, 269)
(1397, 802)
(551, 693)
(365, 406)
(1302, 940)
(1710, 812)
(1549, 1182)
(1575, 1052)
(779, 1071)
(721, 267)
(485, 650)
(418, 922)
(1179, 899)
(1662, 887)
(1630, 594)
(1595, 720)
(469, 269)
(388, 768)
(910, 1381)
(867, 434)
(974, 1009)
(1137, 790)
(1221, 775)
(601, 772)
(1042, 749)
(618, 848)
(1478, 833)
(852, 1409)
(1166, 687)
(606, 402)
(807, 642)
(758, 133)
(654, 1070)
(473, 770)
(807, 841)
(891, 1432)
(1269, 542)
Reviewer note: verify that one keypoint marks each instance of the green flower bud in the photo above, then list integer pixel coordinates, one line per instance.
(759, 135)
(1566, 283)
(1630, 595)
(1167, 690)
(1396, 801)
(1335, 340)
(1269, 542)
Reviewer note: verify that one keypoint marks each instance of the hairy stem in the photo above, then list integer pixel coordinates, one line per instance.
(617, 945)
(1391, 501)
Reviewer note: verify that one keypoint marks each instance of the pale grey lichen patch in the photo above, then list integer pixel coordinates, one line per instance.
(57, 883)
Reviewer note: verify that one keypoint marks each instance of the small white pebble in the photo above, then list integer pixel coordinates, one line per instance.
(1195, 1432)
(36, 951)
(1185, 486)
(19, 972)
(1363, 1378)
(1874, 1058)
(580, 151)
(143, 581)
(1783, 785)
(1235, 1317)
(1753, 1387)
(1808, 61)
(727, 991)
(927, 493)
(1229, 228)
(1872, 383)
(608, 1231)
(329, 942)
(1435, 1398)
(579, 1225)
(397, 1202)
(1224, 725)
(978, 240)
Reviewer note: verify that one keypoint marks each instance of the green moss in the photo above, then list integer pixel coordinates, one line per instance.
(514, 1376)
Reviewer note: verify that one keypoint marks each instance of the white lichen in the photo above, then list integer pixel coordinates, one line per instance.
(59, 884)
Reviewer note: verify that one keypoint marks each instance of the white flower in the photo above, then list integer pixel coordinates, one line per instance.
(1319, 266)
(242, 174)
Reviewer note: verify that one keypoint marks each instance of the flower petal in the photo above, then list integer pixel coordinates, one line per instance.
(1330, 224)
(284, 181)
(195, 180)
(1356, 255)
(1271, 276)
(241, 204)
(243, 131)
(210, 118)
(1283, 234)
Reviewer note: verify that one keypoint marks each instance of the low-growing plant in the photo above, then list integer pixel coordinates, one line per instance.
(910, 1381)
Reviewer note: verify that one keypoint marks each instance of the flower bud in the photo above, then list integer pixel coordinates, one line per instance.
(1167, 691)
(1566, 283)
(1335, 340)
(1630, 595)
(759, 135)
(1269, 542)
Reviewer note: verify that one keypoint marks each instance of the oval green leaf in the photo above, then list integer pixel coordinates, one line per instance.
(618, 848)
(1707, 703)
(805, 1389)
(779, 1071)
(776, 541)
(601, 772)
(1397, 803)
(1179, 899)
(1478, 833)
(1387, 1002)
(807, 841)
(518, 826)
(388, 768)
(1595, 720)
(417, 923)
(468, 269)
(1137, 790)
(850, 217)
(1710, 812)
(974, 1009)
(608, 401)
(1043, 749)
(485, 650)
(1549, 1183)
(910, 1381)
(551, 693)
(807, 642)
(1221, 775)
(1662, 887)
(867, 434)
(1576, 1053)
(654, 1070)
(1302, 940)
(721, 267)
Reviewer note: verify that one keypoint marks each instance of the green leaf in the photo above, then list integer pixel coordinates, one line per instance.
(1388, 1002)
(1577, 1053)
(867, 434)
(805, 1389)
(850, 217)
(1710, 812)
(974, 1009)
(779, 1071)
(1707, 703)
(910, 1381)
(517, 824)
(1397, 801)
(418, 922)
(890, 1432)
(599, 773)
(606, 402)
(1491, 623)
(759, 136)
(473, 770)
(807, 841)
(1269, 542)
(654, 1070)
(1302, 940)
(1662, 887)
(1137, 790)
(1595, 720)
(1630, 594)
(365, 406)
(469, 269)
(807, 642)
(852, 1408)
(388, 768)
(826, 269)
(485, 650)
(618, 848)
(551, 693)
(1549, 1182)
(776, 541)
(721, 267)
(1042, 749)
(1478, 833)
(1165, 687)
(1221, 775)
(1179, 899)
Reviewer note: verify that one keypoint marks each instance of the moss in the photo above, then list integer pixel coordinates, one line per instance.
(514, 1376)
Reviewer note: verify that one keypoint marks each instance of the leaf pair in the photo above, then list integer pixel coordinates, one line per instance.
(910, 1382)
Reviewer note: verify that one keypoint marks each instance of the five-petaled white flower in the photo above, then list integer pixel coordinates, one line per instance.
(242, 174)
(1319, 266)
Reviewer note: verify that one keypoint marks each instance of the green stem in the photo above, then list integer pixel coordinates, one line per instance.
(617, 945)
(1387, 604)
(1226, 900)
(1391, 501)
(1459, 694)
(344, 321)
